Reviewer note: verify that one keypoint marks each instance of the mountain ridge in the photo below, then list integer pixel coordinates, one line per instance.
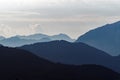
(17, 41)
(17, 64)
(73, 53)
(105, 38)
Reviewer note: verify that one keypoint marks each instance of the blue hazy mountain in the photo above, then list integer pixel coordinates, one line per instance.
(16, 64)
(34, 36)
(106, 38)
(17, 41)
(61, 37)
(1, 37)
(46, 39)
(54, 37)
(73, 53)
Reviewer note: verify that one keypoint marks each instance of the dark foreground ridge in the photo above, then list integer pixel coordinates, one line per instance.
(16, 64)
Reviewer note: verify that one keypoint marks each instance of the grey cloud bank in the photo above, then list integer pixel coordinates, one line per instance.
(73, 17)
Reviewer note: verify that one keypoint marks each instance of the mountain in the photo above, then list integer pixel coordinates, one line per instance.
(73, 53)
(105, 38)
(34, 36)
(1, 37)
(17, 64)
(54, 37)
(46, 39)
(62, 37)
(66, 52)
(86, 72)
(1, 45)
(16, 41)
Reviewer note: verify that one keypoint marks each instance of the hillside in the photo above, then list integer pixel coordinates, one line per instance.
(105, 38)
(16, 64)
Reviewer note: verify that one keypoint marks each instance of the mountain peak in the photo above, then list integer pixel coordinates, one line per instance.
(62, 36)
(105, 38)
(65, 52)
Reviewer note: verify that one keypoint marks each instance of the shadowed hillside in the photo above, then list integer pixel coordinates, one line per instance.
(73, 53)
(16, 64)
(68, 53)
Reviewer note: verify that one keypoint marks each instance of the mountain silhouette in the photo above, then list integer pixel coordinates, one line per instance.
(34, 36)
(66, 52)
(62, 37)
(17, 64)
(42, 36)
(1, 37)
(46, 39)
(105, 38)
(17, 41)
(73, 53)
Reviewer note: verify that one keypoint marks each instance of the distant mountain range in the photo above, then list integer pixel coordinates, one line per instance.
(24, 40)
(16, 64)
(106, 38)
(93, 56)
(54, 37)
(16, 41)
(1, 37)
(73, 53)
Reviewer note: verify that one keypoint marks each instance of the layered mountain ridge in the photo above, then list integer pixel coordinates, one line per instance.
(73, 53)
(17, 41)
(105, 38)
(17, 64)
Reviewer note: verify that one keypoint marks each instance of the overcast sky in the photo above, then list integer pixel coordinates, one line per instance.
(73, 17)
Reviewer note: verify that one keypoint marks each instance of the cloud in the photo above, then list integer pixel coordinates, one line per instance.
(9, 31)
(73, 17)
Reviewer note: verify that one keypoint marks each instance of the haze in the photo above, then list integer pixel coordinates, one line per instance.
(73, 17)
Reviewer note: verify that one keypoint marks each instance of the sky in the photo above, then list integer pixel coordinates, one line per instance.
(72, 17)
